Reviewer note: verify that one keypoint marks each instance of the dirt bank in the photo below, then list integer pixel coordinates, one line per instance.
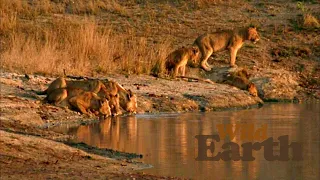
(29, 150)
(26, 141)
(48, 37)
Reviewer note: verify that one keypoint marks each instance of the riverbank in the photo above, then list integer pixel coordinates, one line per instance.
(26, 139)
(28, 149)
(126, 39)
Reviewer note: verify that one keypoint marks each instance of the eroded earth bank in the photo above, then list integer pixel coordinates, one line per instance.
(30, 149)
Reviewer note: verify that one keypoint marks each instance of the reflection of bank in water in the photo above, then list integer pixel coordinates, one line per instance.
(108, 133)
(167, 141)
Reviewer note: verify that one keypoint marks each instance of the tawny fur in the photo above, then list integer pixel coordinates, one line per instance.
(90, 101)
(224, 40)
(66, 97)
(115, 93)
(128, 100)
(177, 60)
(241, 82)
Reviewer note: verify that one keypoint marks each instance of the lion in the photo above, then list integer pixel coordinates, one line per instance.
(101, 90)
(90, 101)
(114, 92)
(57, 83)
(241, 82)
(60, 96)
(128, 100)
(61, 82)
(94, 86)
(79, 99)
(112, 95)
(88, 85)
(222, 40)
(242, 73)
(177, 60)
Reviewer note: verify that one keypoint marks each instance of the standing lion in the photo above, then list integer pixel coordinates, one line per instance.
(177, 60)
(222, 40)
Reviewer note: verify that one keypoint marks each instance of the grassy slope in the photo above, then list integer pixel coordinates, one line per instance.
(88, 37)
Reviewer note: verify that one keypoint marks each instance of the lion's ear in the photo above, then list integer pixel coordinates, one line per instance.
(195, 50)
(101, 101)
(251, 85)
(130, 94)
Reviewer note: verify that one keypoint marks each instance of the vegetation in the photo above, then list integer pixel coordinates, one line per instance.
(91, 37)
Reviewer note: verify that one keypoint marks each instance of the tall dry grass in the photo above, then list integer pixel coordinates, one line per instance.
(310, 21)
(47, 36)
(33, 8)
(34, 39)
(80, 49)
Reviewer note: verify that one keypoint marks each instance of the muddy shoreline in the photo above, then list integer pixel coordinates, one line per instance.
(24, 118)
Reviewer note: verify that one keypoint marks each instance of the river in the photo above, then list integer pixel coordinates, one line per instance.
(168, 143)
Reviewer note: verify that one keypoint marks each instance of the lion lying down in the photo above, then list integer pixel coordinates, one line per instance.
(112, 91)
(80, 100)
(240, 80)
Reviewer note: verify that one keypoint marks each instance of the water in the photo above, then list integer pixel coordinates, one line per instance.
(168, 142)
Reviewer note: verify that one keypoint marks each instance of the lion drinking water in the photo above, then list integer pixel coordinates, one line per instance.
(79, 99)
(113, 91)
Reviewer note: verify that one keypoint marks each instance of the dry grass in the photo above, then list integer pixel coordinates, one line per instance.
(86, 37)
(81, 46)
(34, 8)
(43, 36)
(80, 49)
(310, 21)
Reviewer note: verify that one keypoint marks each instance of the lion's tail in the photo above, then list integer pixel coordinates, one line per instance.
(158, 68)
(119, 87)
(40, 92)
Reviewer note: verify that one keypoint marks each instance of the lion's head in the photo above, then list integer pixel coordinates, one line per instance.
(253, 35)
(252, 89)
(193, 53)
(114, 104)
(104, 107)
(131, 102)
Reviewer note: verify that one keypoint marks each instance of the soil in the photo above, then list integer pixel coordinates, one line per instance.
(30, 150)
(280, 66)
(27, 142)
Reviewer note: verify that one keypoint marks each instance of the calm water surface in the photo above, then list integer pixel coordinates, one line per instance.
(168, 142)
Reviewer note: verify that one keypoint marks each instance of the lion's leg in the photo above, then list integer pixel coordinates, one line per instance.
(204, 59)
(176, 70)
(82, 109)
(233, 54)
(75, 103)
(183, 68)
(209, 65)
(61, 98)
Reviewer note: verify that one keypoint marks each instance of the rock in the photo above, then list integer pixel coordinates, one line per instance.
(272, 85)
(276, 85)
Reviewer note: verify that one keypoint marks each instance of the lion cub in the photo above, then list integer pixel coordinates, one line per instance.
(178, 59)
(90, 101)
(79, 99)
(240, 80)
(222, 40)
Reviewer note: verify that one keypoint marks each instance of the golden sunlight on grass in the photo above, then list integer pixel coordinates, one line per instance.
(310, 21)
(80, 49)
